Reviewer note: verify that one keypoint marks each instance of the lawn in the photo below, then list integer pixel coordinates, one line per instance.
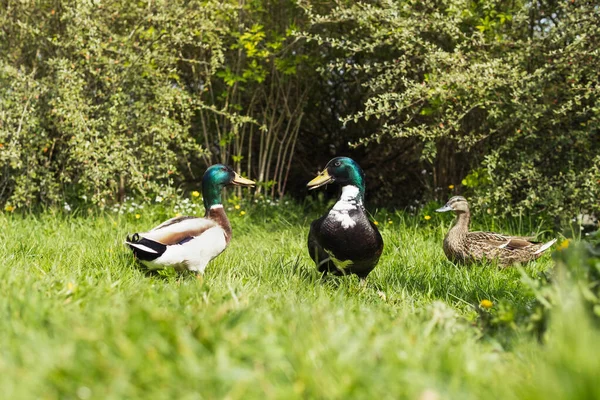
(82, 320)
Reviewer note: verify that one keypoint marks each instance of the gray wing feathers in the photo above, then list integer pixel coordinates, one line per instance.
(177, 229)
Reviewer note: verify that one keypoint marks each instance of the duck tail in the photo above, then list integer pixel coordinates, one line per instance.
(145, 249)
(545, 247)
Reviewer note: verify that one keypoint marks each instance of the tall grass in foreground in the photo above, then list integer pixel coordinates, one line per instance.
(82, 320)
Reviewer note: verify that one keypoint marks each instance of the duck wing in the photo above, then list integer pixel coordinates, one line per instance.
(499, 240)
(315, 249)
(179, 229)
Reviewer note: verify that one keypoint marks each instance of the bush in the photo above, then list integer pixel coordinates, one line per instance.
(95, 98)
(509, 89)
(493, 99)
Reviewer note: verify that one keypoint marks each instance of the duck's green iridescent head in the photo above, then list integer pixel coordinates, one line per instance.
(215, 179)
(343, 171)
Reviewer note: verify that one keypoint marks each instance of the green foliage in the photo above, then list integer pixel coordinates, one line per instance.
(476, 178)
(100, 101)
(579, 262)
(262, 78)
(94, 97)
(512, 86)
(575, 279)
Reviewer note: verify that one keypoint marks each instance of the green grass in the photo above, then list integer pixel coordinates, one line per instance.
(82, 320)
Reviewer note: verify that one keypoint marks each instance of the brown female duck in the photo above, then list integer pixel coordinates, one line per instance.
(466, 247)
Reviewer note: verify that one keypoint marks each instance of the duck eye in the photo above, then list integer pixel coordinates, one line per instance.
(337, 163)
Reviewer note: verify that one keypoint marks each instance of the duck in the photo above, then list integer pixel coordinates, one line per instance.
(188, 242)
(464, 247)
(344, 241)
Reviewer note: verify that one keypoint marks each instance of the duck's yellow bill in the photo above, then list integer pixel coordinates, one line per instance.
(322, 179)
(239, 180)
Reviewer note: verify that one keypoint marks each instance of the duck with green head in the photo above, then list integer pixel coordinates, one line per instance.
(466, 247)
(190, 242)
(344, 241)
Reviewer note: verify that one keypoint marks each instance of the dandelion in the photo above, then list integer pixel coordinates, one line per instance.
(450, 187)
(487, 304)
(564, 244)
(237, 206)
(242, 213)
(390, 222)
(138, 216)
(70, 287)
(376, 223)
(9, 208)
(427, 217)
(195, 193)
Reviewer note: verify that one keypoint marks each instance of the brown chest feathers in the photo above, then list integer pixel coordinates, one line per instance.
(218, 215)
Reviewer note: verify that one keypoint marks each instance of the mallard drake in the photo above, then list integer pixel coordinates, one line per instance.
(466, 247)
(344, 241)
(191, 242)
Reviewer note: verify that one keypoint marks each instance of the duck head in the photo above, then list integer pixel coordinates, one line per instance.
(215, 179)
(341, 170)
(458, 204)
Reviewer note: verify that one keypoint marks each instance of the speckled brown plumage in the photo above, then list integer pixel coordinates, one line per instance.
(466, 247)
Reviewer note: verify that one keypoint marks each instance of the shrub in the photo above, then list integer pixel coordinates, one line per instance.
(95, 98)
(507, 88)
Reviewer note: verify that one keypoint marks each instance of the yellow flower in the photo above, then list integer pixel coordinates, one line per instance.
(487, 304)
(237, 206)
(450, 187)
(242, 213)
(71, 288)
(390, 222)
(427, 217)
(178, 215)
(564, 244)
(9, 208)
(138, 216)
(376, 223)
(195, 193)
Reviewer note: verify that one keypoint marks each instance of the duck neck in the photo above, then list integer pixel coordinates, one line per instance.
(211, 195)
(217, 214)
(461, 226)
(352, 194)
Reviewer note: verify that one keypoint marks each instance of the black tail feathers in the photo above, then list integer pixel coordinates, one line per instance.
(145, 249)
